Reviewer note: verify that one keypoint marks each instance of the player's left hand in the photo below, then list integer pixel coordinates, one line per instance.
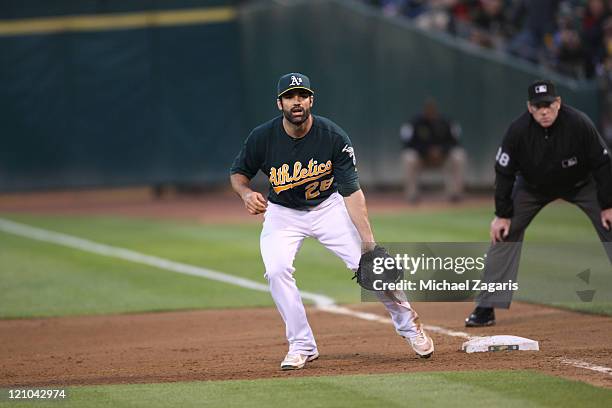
(255, 203)
(606, 218)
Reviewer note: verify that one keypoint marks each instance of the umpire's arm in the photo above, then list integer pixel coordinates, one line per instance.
(500, 226)
(504, 183)
(601, 168)
(505, 175)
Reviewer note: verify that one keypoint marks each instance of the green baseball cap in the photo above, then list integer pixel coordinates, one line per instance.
(293, 80)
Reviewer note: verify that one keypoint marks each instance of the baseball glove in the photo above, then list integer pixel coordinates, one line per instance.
(366, 276)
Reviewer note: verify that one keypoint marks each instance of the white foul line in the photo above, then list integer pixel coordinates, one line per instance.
(588, 366)
(132, 256)
(322, 302)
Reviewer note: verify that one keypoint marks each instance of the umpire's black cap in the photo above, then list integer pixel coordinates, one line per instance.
(542, 91)
(293, 80)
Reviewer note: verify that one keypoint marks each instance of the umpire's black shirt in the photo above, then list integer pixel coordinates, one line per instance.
(553, 161)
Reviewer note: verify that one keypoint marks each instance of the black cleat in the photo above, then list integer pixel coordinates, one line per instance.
(481, 317)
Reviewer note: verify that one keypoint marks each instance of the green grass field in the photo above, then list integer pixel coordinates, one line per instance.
(522, 389)
(44, 279)
(40, 279)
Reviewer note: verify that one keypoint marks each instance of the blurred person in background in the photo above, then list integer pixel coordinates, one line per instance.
(391, 7)
(570, 57)
(605, 81)
(595, 14)
(491, 25)
(427, 14)
(571, 37)
(431, 141)
(524, 28)
(437, 16)
(537, 20)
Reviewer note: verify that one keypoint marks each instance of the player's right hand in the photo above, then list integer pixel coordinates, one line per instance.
(255, 203)
(500, 228)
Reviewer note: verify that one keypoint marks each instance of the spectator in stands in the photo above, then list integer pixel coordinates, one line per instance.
(524, 28)
(592, 30)
(605, 79)
(537, 22)
(413, 8)
(392, 7)
(436, 16)
(570, 56)
(430, 140)
(491, 24)
(580, 47)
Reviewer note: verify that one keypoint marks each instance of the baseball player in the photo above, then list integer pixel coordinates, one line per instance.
(314, 192)
(550, 152)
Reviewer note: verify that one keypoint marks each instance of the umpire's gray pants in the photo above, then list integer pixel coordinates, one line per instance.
(503, 258)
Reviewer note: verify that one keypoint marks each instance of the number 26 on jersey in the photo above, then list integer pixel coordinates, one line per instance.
(314, 189)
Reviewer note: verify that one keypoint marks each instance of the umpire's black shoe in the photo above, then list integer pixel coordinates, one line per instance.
(480, 317)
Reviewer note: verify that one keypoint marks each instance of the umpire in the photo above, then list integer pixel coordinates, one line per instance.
(551, 151)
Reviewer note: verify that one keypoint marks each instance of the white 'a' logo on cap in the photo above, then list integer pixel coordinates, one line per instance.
(295, 81)
(541, 89)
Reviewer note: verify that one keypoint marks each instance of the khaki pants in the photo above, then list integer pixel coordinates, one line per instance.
(453, 167)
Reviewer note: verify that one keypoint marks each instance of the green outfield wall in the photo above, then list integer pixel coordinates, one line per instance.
(145, 96)
(113, 93)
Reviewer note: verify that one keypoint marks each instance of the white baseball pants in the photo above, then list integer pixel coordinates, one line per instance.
(284, 230)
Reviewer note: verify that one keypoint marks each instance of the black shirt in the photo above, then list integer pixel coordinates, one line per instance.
(551, 161)
(302, 172)
(422, 133)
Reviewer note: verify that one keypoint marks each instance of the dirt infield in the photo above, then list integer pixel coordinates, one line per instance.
(249, 344)
(212, 207)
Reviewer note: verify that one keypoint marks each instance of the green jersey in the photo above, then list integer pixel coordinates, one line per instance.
(302, 172)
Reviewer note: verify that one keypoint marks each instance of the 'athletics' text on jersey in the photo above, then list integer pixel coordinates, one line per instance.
(302, 172)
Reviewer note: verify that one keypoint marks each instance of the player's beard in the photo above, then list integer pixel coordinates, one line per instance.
(297, 121)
